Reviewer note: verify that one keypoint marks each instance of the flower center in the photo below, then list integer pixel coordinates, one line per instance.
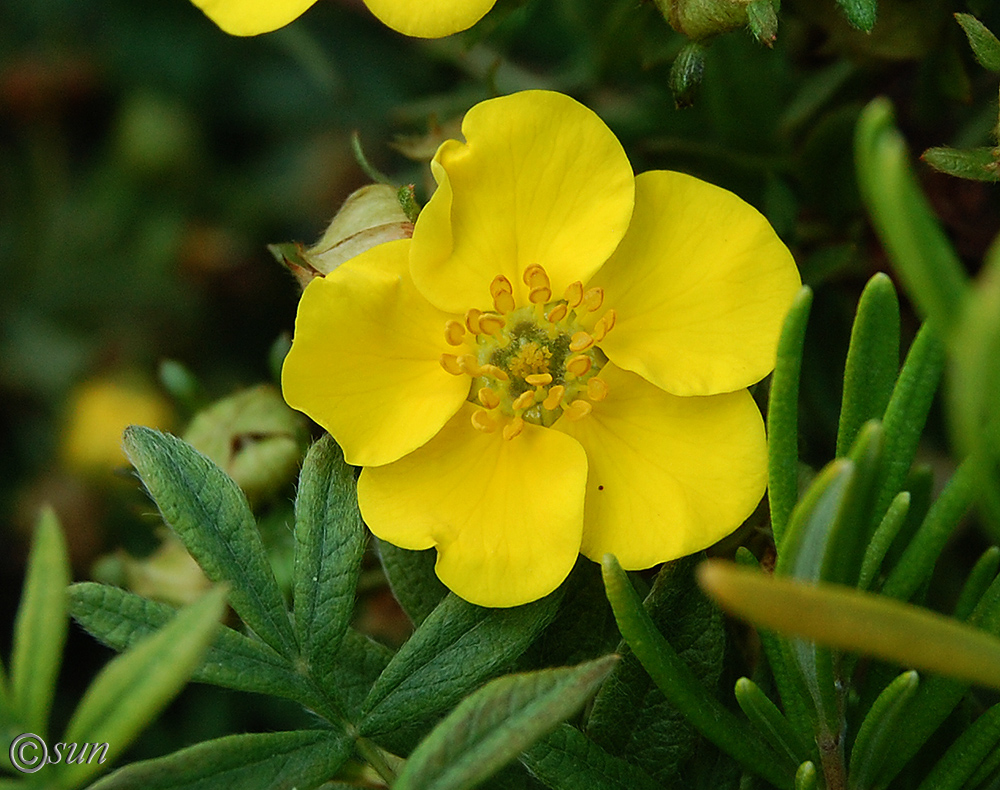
(531, 363)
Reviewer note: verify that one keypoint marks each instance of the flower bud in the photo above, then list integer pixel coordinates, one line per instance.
(701, 19)
(254, 437)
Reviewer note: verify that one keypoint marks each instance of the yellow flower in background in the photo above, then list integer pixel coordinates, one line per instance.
(555, 363)
(426, 19)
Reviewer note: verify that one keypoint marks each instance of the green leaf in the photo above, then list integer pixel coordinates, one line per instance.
(770, 722)
(882, 539)
(917, 245)
(906, 414)
(211, 516)
(329, 545)
(974, 164)
(917, 562)
(980, 577)
(631, 718)
(805, 776)
(495, 724)
(878, 731)
(860, 13)
(783, 416)
(121, 619)
(984, 44)
(412, 578)
(455, 649)
(679, 684)
(856, 621)
(966, 754)
(566, 759)
(41, 626)
(872, 360)
(297, 760)
(135, 686)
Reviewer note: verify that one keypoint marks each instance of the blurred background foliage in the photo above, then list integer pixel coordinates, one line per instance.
(147, 159)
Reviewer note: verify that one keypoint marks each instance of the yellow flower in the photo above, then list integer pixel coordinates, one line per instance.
(555, 363)
(425, 19)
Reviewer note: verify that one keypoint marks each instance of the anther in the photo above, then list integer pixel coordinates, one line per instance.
(500, 285)
(557, 313)
(489, 398)
(534, 276)
(503, 302)
(490, 324)
(468, 364)
(593, 299)
(580, 341)
(578, 365)
(574, 294)
(513, 428)
(555, 395)
(453, 333)
(472, 316)
(604, 325)
(597, 389)
(450, 363)
(577, 410)
(539, 379)
(524, 400)
(494, 373)
(540, 294)
(482, 421)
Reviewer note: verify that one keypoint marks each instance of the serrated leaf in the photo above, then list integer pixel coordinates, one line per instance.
(679, 685)
(872, 360)
(856, 621)
(455, 649)
(40, 627)
(917, 245)
(211, 516)
(121, 619)
(974, 164)
(860, 13)
(566, 759)
(492, 726)
(878, 731)
(984, 44)
(329, 545)
(412, 579)
(135, 686)
(631, 718)
(298, 760)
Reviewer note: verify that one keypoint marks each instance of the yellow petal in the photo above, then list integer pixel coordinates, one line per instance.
(540, 180)
(252, 17)
(668, 476)
(505, 515)
(429, 18)
(700, 284)
(364, 362)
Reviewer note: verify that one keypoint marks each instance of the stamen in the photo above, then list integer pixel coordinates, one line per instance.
(494, 373)
(597, 389)
(604, 325)
(472, 316)
(580, 341)
(578, 365)
(503, 302)
(539, 379)
(450, 363)
(489, 398)
(482, 421)
(555, 395)
(470, 365)
(593, 299)
(524, 400)
(557, 313)
(540, 294)
(453, 333)
(490, 324)
(500, 285)
(513, 428)
(574, 294)
(577, 410)
(534, 276)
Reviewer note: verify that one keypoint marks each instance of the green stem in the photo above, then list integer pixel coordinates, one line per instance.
(375, 757)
